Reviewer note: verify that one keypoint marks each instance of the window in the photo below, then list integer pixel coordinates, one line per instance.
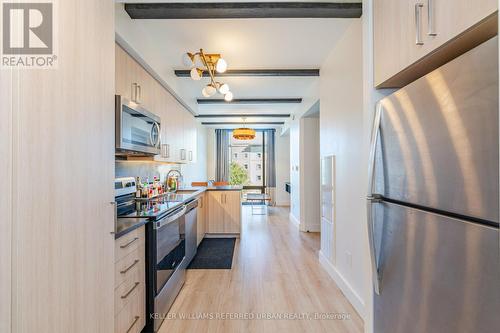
(247, 160)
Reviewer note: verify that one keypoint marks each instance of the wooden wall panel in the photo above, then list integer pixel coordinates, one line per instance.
(5, 197)
(63, 170)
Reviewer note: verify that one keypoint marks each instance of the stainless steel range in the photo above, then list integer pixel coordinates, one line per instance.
(170, 244)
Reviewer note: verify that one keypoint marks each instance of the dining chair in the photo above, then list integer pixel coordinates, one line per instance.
(195, 184)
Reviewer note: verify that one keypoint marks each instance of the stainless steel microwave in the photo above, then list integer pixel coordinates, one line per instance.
(137, 131)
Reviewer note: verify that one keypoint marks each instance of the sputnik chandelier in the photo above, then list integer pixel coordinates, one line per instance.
(212, 63)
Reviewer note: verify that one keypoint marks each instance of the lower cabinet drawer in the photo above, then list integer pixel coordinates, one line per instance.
(129, 243)
(128, 290)
(131, 318)
(129, 265)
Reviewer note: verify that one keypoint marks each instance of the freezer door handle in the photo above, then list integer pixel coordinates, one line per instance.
(371, 242)
(373, 148)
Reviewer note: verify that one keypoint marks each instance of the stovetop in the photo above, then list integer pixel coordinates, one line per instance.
(152, 208)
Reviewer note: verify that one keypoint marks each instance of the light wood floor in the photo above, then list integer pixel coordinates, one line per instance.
(275, 271)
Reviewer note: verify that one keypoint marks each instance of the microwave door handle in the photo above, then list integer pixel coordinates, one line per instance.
(158, 140)
(154, 143)
(151, 134)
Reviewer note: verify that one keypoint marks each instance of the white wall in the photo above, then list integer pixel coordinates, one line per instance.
(309, 174)
(211, 154)
(295, 171)
(282, 146)
(198, 172)
(342, 132)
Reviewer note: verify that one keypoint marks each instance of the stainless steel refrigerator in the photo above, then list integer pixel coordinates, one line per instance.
(433, 201)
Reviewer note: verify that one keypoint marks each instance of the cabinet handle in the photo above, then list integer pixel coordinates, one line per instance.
(165, 150)
(183, 154)
(134, 92)
(139, 93)
(129, 243)
(129, 267)
(418, 23)
(130, 291)
(430, 18)
(190, 155)
(136, 318)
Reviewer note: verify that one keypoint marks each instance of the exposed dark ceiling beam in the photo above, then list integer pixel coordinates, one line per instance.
(227, 10)
(246, 123)
(250, 115)
(256, 72)
(250, 101)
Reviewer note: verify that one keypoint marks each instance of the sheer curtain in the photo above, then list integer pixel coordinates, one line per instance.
(222, 155)
(270, 155)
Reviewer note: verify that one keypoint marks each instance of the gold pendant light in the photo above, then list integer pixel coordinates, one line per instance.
(212, 63)
(244, 133)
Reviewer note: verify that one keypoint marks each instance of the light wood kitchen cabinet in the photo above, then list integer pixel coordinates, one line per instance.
(201, 219)
(232, 207)
(123, 80)
(130, 288)
(131, 80)
(178, 126)
(189, 136)
(224, 212)
(412, 38)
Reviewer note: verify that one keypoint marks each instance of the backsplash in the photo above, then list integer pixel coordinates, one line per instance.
(144, 169)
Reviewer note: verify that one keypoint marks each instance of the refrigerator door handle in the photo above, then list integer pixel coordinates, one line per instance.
(371, 242)
(373, 147)
(373, 198)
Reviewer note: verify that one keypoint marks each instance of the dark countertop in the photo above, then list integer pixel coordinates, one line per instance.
(126, 225)
(160, 206)
(224, 188)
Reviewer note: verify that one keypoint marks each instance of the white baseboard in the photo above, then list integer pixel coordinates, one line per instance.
(353, 297)
(310, 228)
(294, 220)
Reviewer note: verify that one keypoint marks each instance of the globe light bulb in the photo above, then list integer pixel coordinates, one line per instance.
(228, 97)
(221, 65)
(224, 88)
(195, 74)
(208, 91)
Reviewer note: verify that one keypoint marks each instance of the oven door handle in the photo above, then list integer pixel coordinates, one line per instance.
(170, 218)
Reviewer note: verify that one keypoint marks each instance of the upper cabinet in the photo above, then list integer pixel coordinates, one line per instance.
(178, 126)
(412, 38)
(132, 81)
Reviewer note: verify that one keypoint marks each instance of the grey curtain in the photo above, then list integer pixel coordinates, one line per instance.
(269, 140)
(222, 155)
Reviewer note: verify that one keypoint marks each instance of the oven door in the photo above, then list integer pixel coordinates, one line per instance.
(137, 130)
(170, 246)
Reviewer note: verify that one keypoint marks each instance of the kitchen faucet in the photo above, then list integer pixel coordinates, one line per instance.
(179, 178)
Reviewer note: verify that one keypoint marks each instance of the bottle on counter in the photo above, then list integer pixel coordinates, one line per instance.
(138, 192)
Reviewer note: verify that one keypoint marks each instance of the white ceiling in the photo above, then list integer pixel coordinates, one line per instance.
(245, 44)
